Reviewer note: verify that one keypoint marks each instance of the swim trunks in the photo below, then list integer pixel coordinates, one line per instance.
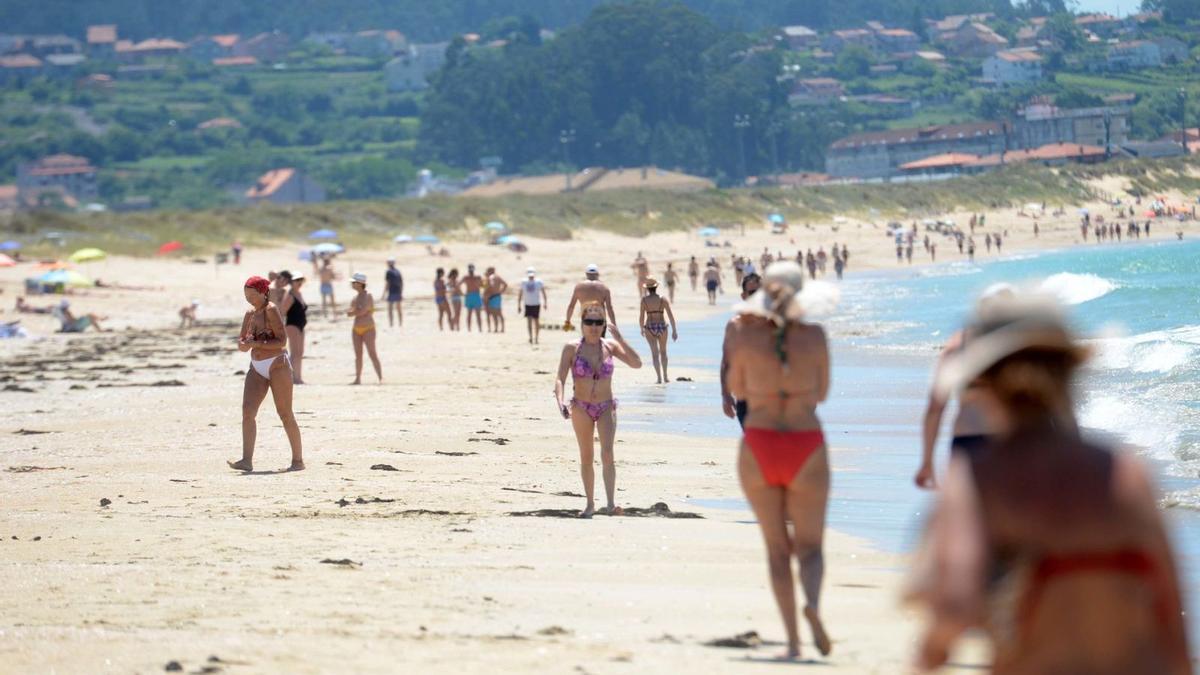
(473, 300)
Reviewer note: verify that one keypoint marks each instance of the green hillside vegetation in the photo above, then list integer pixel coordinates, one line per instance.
(629, 212)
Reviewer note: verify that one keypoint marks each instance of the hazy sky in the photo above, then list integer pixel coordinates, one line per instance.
(1116, 7)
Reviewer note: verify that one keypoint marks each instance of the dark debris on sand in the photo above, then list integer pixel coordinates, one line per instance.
(659, 510)
(747, 640)
(341, 562)
(383, 467)
(454, 454)
(497, 440)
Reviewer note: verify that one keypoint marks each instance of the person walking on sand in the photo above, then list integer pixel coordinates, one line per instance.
(971, 249)
(712, 281)
(532, 297)
(439, 298)
(295, 318)
(393, 283)
(670, 278)
(779, 365)
(641, 270)
(327, 276)
(653, 314)
(473, 301)
(731, 406)
(588, 291)
(495, 286)
(1052, 544)
(592, 409)
(693, 272)
(187, 314)
(236, 249)
(362, 308)
(262, 334)
(456, 299)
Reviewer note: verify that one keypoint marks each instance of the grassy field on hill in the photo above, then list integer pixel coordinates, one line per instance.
(631, 212)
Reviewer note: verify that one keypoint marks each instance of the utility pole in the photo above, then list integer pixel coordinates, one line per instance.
(1183, 119)
(740, 123)
(565, 138)
(1107, 134)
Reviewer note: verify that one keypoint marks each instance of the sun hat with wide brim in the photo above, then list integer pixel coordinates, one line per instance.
(1002, 326)
(650, 282)
(359, 278)
(778, 298)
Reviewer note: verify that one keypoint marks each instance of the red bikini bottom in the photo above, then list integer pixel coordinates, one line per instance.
(780, 454)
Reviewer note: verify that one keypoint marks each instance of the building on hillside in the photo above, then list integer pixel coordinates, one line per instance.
(20, 68)
(211, 47)
(375, 44)
(972, 40)
(219, 123)
(800, 38)
(816, 91)
(266, 47)
(64, 65)
(152, 48)
(1013, 66)
(9, 200)
(888, 105)
(45, 45)
(1040, 124)
(1051, 154)
(1030, 34)
(96, 82)
(936, 59)
(235, 62)
(855, 37)
(1192, 135)
(953, 23)
(1152, 149)
(1101, 25)
(880, 154)
(410, 70)
(1172, 51)
(102, 40)
(592, 179)
(947, 164)
(62, 175)
(285, 186)
(1133, 55)
(897, 41)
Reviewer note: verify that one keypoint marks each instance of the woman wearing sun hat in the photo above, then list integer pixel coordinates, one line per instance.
(1053, 544)
(653, 314)
(263, 335)
(779, 365)
(362, 308)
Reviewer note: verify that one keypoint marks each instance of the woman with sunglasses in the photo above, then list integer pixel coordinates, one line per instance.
(592, 408)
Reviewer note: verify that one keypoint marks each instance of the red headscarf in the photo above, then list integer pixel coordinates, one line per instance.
(259, 284)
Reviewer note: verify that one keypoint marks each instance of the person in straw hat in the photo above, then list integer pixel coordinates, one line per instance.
(1053, 544)
(779, 365)
(362, 308)
(653, 314)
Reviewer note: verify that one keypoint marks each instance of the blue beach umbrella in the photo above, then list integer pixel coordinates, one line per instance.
(496, 226)
(507, 239)
(708, 232)
(327, 248)
(323, 234)
(776, 218)
(10, 245)
(427, 239)
(65, 277)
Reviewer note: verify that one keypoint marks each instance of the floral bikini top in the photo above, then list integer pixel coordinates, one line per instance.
(583, 369)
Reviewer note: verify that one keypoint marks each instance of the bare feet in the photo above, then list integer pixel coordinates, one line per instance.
(612, 510)
(587, 513)
(818, 630)
(356, 382)
(296, 466)
(241, 465)
(792, 654)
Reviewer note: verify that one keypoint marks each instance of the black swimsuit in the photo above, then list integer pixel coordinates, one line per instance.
(297, 314)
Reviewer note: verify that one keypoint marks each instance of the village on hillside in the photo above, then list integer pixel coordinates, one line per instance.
(86, 85)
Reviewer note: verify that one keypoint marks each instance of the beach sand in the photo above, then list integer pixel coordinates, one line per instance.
(189, 560)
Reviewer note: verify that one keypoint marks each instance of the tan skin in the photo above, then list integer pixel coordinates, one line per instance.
(641, 270)
(670, 278)
(593, 391)
(441, 301)
(592, 290)
(455, 306)
(264, 317)
(757, 376)
(728, 402)
(294, 334)
(473, 283)
(693, 271)
(362, 308)
(653, 308)
(327, 276)
(496, 285)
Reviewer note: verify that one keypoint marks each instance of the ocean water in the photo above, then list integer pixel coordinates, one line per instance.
(1137, 304)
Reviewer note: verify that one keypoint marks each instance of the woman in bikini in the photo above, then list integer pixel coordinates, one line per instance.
(362, 308)
(439, 299)
(655, 310)
(263, 335)
(593, 409)
(1053, 544)
(779, 365)
(295, 317)
(456, 299)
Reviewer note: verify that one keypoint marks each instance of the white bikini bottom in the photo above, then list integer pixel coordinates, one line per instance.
(263, 367)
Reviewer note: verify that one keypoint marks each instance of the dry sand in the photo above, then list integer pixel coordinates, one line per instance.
(190, 560)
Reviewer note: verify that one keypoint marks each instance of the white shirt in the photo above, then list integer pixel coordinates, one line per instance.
(531, 289)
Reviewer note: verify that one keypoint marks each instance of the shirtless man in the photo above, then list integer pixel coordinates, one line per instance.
(712, 281)
(473, 300)
(693, 271)
(641, 270)
(327, 275)
(592, 290)
(493, 300)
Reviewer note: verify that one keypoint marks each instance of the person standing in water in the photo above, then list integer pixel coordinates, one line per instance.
(779, 365)
(262, 334)
(592, 409)
(532, 297)
(394, 286)
(363, 333)
(654, 312)
(712, 281)
(591, 290)
(1051, 543)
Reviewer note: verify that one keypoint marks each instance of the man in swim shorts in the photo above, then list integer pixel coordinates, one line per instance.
(494, 286)
(532, 296)
(473, 298)
(591, 290)
(394, 284)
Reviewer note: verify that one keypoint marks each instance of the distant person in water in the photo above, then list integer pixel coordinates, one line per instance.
(670, 278)
(363, 333)
(653, 315)
(591, 289)
(693, 272)
(187, 314)
(472, 283)
(531, 299)
(262, 334)
(592, 409)
(494, 288)
(712, 281)
(1052, 544)
(779, 365)
(731, 406)
(393, 283)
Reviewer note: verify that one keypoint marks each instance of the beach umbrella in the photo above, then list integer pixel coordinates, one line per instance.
(427, 239)
(10, 245)
(169, 247)
(403, 238)
(6, 261)
(708, 232)
(496, 226)
(65, 277)
(508, 239)
(55, 265)
(327, 248)
(776, 218)
(323, 234)
(88, 255)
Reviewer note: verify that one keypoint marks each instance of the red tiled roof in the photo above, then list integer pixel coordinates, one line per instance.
(1047, 152)
(158, 44)
(20, 61)
(946, 160)
(225, 61)
(902, 136)
(61, 165)
(220, 123)
(269, 183)
(105, 34)
(228, 40)
(124, 45)
(1018, 57)
(8, 193)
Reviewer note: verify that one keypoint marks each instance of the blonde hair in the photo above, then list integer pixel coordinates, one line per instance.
(592, 304)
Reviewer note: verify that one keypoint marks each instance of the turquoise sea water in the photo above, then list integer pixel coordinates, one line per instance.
(1138, 304)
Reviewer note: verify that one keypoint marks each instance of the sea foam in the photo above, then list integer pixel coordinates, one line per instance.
(1076, 289)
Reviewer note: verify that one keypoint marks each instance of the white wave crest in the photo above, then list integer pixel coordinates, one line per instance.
(1076, 289)
(1161, 351)
(819, 298)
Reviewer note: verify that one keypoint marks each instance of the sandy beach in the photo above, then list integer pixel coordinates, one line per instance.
(426, 534)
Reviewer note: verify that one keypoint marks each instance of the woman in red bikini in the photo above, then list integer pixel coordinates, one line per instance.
(593, 409)
(263, 336)
(779, 365)
(1053, 544)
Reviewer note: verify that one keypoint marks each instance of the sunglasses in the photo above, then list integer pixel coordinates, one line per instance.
(593, 322)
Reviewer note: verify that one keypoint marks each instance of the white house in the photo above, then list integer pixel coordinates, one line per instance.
(1013, 66)
(410, 70)
(1135, 54)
